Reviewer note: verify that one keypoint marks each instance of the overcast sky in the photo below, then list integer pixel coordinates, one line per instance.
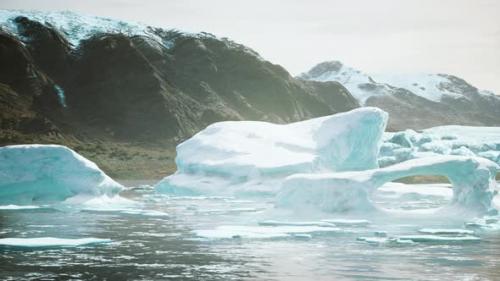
(460, 37)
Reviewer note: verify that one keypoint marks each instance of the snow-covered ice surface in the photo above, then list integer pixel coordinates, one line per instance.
(38, 174)
(254, 157)
(327, 163)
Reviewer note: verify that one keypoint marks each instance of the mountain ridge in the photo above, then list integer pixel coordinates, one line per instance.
(415, 101)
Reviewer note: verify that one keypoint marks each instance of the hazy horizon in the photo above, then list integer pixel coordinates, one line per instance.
(459, 37)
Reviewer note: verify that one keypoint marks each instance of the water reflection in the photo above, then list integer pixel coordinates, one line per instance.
(149, 247)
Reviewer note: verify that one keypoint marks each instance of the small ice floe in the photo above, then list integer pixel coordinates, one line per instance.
(296, 223)
(347, 222)
(231, 211)
(108, 203)
(439, 239)
(374, 240)
(446, 231)
(262, 232)
(301, 235)
(484, 223)
(50, 242)
(151, 213)
(19, 207)
(120, 205)
(380, 233)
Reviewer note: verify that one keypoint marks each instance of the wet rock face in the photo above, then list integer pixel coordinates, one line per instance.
(250, 88)
(49, 49)
(21, 74)
(118, 87)
(136, 87)
(17, 64)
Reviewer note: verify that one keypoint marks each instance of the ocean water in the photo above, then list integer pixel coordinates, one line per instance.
(222, 238)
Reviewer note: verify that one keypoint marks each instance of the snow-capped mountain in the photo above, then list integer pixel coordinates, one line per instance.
(128, 80)
(416, 101)
(75, 26)
(354, 80)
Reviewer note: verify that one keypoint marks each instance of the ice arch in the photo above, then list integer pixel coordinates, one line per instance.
(473, 181)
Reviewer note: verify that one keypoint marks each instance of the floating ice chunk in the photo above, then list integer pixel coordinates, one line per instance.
(385, 240)
(232, 154)
(118, 204)
(109, 204)
(373, 240)
(49, 173)
(446, 231)
(150, 213)
(443, 140)
(50, 242)
(484, 223)
(18, 207)
(231, 210)
(438, 238)
(347, 222)
(295, 223)
(473, 181)
(301, 235)
(261, 232)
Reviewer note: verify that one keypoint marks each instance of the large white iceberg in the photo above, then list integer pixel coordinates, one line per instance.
(473, 181)
(243, 154)
(35, 174)
(327, 163)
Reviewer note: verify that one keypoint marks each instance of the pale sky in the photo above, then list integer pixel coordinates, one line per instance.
(460, 37)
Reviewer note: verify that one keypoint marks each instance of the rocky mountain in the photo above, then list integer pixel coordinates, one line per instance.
(84, 78)
(415, 101)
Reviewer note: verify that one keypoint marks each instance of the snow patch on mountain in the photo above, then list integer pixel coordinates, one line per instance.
(362, 86)
(428, 86)
(359, 84)
(76, 26)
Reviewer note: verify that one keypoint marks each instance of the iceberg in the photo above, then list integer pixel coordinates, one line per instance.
(328, 163)
(472, 178)
(244, 154)
(37, 174)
